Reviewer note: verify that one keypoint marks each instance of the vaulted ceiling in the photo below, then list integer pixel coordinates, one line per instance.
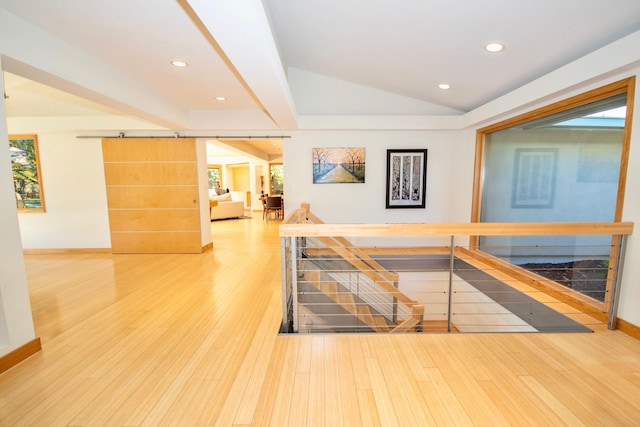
(277, 60)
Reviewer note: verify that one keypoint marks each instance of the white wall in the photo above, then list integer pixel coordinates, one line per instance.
(16, 323)
(629, 308)
(75, 196)
(365, 203)
(460, 187)
(203, 193)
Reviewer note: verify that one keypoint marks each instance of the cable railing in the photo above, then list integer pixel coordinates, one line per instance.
(366, 278)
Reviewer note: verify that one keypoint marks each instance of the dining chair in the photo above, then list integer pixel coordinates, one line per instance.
(265, 209)
(274, 205)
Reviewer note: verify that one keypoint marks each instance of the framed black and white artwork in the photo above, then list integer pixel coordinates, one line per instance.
(406, 178)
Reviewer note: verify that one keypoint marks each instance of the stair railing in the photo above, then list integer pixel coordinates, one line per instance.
(411, 312)
(301, 228)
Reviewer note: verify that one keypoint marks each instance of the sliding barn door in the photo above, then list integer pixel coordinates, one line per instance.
(152, 195)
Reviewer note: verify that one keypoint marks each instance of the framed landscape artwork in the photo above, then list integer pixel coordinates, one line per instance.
(25, 166)
(338, 165)
(406, 178)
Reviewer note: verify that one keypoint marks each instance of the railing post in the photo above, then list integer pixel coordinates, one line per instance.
(450, 284)
(300, 252)
(287, 255)
(285, 283)
(615, 291)
(394, 315)
(294, 282)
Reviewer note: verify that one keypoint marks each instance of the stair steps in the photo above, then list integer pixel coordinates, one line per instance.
(437, 326)
(346, 301)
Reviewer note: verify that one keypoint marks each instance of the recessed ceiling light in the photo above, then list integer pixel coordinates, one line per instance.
(220, 98)
(178, 63)
(444, 86)
(494, 47)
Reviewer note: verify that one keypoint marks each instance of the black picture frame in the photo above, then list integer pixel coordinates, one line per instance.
(406, 179)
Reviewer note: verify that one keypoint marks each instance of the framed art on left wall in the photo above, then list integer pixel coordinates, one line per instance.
(339, 165)
(25, 166)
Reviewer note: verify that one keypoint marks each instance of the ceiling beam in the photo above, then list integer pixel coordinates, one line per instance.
(241, 30)
(29, 52)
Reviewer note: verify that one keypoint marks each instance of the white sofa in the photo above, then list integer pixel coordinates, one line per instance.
(223, 207)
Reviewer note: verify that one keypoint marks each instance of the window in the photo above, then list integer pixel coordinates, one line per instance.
(565, 162)
(562, 167)
(276, 178)
(27, 178)
(214, 177)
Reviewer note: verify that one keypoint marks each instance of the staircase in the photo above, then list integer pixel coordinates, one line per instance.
(331, 305)
(328, 299)
(345, 311)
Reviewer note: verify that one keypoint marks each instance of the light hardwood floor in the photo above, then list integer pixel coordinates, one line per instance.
(186, 340)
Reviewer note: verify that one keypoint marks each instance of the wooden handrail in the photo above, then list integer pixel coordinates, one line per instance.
(304, 224)
(318, 228)
(459, 229)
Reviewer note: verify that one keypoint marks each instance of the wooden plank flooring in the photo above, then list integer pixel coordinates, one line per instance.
(191, 340)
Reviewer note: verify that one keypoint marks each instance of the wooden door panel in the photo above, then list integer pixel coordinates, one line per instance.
(183, 173)
(156, 242)
(154, 220)
(138, 150)
(152, 194)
